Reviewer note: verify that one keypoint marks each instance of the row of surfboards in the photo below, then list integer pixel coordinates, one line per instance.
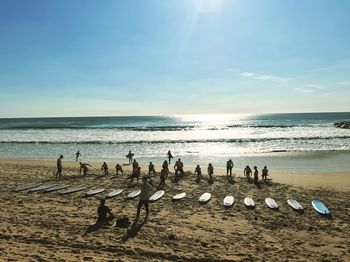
(228, 201)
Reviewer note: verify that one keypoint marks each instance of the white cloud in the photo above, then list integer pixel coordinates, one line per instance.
(304, 90)
(271, 78)
(344, 83)
(313, 86)
(247, 74)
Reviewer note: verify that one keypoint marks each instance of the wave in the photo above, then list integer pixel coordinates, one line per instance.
(235, 140)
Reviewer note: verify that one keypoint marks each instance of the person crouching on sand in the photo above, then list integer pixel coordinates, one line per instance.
(247, 172)
(104, 168)
(104, 213)
(59, 167)
(135, 174)
(144, 198)
(210, 172)
(264, 173)
(198, 172)
(84, 168)
(118, 168)
(256, 175)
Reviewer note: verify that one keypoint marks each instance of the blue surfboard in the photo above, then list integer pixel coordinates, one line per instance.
(320, 207)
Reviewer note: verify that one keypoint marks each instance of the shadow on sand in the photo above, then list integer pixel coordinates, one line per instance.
(133, 230)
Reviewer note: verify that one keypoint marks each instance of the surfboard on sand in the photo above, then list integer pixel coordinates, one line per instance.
(27, 186)
(249, 202)
(295, 204)
(42, 187)
(271, 203)
(229, 201)
(72, 190)
(204, 198)
(320, 207)
(179, 196)
(114, 193)
(157, 195)
(55, 188)
(134, 194)
(94, 191)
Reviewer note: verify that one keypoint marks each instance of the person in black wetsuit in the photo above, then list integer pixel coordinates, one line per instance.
(170, 156)
(104, 168)
(104, 213)
(59, 167)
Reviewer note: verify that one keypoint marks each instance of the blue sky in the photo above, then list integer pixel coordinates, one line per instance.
(80, 58)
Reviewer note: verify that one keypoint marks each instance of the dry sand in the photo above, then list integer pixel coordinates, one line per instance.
(49, 227)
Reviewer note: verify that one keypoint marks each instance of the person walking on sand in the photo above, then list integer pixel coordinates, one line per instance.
(129, 156)
(264, 173)
(151, 169)
(104, 213)
(163, 176)
(256, 175)
(198, 172)
(170, 156)
(104, 168)
(229, 166)
(210, 172)
(135, 165)
(84, 168)
(247, 172)
(118, 168)
(59, 167)
(77, 155)
(144, 198)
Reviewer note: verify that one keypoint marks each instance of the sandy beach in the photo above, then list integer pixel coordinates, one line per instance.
(49, 227)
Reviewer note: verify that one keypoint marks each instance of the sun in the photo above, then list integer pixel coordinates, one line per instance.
(208, 6)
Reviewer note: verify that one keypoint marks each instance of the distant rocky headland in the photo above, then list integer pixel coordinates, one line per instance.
(343, 124)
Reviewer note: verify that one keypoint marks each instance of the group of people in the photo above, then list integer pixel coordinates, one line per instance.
(248, 173)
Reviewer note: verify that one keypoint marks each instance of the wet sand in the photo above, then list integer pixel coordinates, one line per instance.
(49, 227)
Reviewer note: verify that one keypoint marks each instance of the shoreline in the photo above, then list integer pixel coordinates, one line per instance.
(335, 180)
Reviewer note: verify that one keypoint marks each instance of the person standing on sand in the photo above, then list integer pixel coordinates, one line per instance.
(256, 175)
(129, 156)
(59, 167)
(135, 174)
(165, 165)
(104, 213)
(135, 165)
(247, 172)
(170, 156)
(229, 166)
(198, 172)
(144, 198)
(77, 155)
(210, 172)
(178, 167)
(151, 169)
(163, 176)
(118, 168)
(264, 173)
(105, 168)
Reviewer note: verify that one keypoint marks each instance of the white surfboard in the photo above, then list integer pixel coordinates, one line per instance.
(27, 186)
(294, 204)
(42, 187)
(179, 196)
(157, 195)
(114, 193)
(134, 194)
(229, 201)
(204, 198)
(271, 203)
(94, 191)
(72, 190)
(55, 188)
(249, 202)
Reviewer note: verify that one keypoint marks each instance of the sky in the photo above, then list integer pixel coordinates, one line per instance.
(156, 57)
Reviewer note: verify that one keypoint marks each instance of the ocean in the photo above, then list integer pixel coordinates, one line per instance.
(286, 142)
